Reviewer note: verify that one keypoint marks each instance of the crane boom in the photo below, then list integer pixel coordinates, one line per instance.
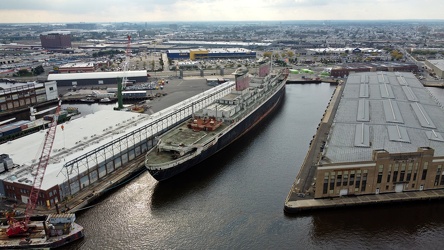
(19, 227)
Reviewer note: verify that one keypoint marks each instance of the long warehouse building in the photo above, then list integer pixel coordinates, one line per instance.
(387, 136)
(97, 78)
(201, 54)
(88, 149)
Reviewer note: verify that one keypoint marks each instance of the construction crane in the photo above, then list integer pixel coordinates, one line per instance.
(17, 227)
(126, 63)
(122, 84)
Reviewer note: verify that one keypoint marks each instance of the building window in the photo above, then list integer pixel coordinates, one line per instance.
(409, 175)
(364, 181)
(338, 180)
(424, 174)
(352, 178)
(345, 179)
(401, 175)
(358, 180)
(395, 176)
(325, 188)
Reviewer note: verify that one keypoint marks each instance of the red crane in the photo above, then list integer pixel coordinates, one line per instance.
(19, 227)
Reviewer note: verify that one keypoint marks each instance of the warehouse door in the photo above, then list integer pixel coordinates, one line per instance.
(25, 199)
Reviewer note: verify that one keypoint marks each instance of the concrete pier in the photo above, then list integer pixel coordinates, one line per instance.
(301, 195)
(376, 190)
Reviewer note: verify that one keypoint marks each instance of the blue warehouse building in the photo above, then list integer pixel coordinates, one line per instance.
(202, 54)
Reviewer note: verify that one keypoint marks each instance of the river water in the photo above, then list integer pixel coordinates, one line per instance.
(235, 199)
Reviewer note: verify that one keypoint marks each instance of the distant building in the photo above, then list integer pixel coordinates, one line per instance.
(15, 96)
(97, 78)
(76, 68)
(201, 54)
(85, 26)
(207, 44)
(387, 136)
(173, 26)
(56, 40)
(346, 69)
(437, 66)
(338, 51)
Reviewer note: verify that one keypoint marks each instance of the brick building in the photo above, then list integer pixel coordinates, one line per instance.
(346, 69)
(56, 40)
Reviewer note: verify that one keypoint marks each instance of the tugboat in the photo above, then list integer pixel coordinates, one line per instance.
(55, 231)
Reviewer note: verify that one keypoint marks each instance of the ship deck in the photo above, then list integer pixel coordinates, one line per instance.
(182, 135)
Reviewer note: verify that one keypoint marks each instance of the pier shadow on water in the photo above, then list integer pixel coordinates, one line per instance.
(376, 226)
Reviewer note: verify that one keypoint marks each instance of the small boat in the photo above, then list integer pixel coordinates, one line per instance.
(138, 109)
(88, 99)
(57, 230)
(105, 100)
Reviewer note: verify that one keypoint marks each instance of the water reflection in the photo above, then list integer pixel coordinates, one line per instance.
(204, 174)
(378, 225)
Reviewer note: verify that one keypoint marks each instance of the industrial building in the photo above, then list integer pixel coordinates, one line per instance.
(346, 69)
(203, 54)
(76, 68)
(88, 149)
(95, 78)
(437, 66)
(387, 136)
(338, 51)
(207, 44)
(15, 96)
(56, 40)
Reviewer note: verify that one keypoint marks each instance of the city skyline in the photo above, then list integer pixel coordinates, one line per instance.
(50, 11)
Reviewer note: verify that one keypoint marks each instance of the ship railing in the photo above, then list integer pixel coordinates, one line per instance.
(170, 164)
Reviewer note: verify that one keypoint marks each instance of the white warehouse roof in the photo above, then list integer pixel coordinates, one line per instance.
(384, 110)
(96, 75)
(78, 136)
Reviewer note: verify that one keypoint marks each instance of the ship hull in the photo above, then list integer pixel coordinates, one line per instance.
(230, 136)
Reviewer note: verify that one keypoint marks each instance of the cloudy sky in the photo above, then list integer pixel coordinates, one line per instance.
(34, 11)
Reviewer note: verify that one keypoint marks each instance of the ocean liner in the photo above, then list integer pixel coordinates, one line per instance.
(214, 127)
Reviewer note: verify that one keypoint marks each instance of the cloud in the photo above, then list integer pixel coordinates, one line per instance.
(206, 10)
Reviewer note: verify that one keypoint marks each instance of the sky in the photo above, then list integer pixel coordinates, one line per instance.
(62, 11)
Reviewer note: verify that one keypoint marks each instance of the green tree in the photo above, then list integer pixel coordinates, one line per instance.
(290, 54)
(268, 54)
(161, 62)
(396, 55)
